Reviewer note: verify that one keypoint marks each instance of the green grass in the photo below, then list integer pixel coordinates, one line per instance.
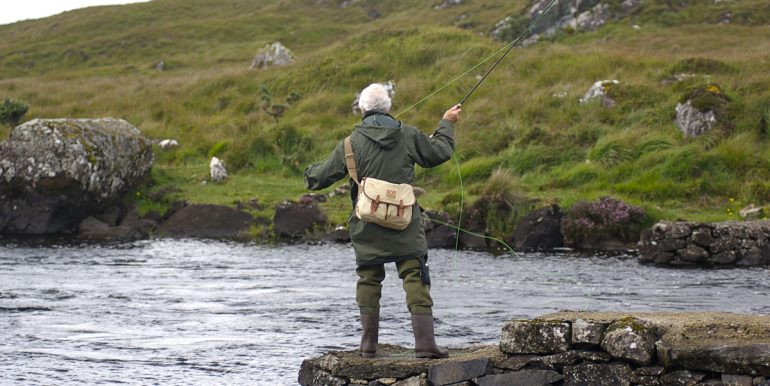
(526, 119)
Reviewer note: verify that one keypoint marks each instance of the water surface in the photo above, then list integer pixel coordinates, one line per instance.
(197, 312)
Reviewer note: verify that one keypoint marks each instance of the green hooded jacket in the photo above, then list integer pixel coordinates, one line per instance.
(385, 149)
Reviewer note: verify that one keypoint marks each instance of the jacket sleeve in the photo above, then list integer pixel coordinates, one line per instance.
(436, 149)
(324, 174)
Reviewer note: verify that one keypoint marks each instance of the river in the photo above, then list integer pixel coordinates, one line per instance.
(199, 312)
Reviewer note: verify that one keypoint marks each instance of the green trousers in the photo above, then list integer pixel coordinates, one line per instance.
(369, 287)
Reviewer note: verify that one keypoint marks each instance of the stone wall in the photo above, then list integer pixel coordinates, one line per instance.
(700, 244)
(577, 348)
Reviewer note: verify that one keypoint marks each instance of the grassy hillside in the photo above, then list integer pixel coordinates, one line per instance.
(527, 119)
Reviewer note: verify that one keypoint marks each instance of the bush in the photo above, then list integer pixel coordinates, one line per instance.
(12, 111)
(606, 218)
(501, 206)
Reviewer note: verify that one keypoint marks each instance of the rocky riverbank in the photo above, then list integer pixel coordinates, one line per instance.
(577, 348)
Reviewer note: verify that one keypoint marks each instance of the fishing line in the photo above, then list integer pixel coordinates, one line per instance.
(507, 48)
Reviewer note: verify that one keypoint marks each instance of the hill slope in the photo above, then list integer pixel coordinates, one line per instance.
(526, 120)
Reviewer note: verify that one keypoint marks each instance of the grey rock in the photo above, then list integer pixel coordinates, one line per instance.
(630, 339)
(597, 374)
(535, 337)
(752, 258)
(701, 237)
(447, 3)
(726, 257)
(663, 258)
(517, 362)
(420, 380)
(647, 376)
(670, 245)
(681, 378)
(119, 233)
(540, 230)
(588, 333)
(458, 371)
(693, 254)
(294, 221)
(730, 357)
(207, 221)
(160, 66)
(693, 122)
(599, 90)
(168, 144)
(275, 54)
(57, 172)
(218, 170)
(143, 225)
(737, 380)
(521, 378)
(752, 213)
(679, 230)
(438, 235)
(593, 19)
(559, 361)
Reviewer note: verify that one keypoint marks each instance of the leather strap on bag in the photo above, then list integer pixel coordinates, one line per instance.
(350, 162)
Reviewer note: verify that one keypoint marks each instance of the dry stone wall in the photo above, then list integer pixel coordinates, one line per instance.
(576, 348)
(703, 244)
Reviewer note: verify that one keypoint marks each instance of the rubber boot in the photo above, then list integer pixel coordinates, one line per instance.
(369, 335)
(424, 341)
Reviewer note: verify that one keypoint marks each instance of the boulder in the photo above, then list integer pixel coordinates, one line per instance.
(92, 229)
(540, 230)
(693, 122)
(293, 220)
(587, 332)
(521, 378)
(168, 144)
(585, 374)
(218, 170)
(752, 213)
(390, 86)
(630, 339)
(145, 226)
(457, 371)
(275, 54)
(207, 221)
(438, 235)
(599, 90)
(57, 172)
(535, 337)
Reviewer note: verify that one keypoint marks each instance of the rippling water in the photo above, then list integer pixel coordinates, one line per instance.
(195, 312)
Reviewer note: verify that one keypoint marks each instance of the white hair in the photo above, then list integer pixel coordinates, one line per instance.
(374, 97)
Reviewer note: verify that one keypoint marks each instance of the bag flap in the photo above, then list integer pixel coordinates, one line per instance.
(389, 193)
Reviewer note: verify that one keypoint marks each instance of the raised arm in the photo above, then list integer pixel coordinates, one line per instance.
(438, 148)
(324, 174)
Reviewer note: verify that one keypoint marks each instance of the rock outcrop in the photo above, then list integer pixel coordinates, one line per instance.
(208, 222)
(275, 54)
(701, 110)
(706, 244)
(56, 172)
(576, 348)
(693, 122)
(294, 221)
(540, 230)
(437, 233)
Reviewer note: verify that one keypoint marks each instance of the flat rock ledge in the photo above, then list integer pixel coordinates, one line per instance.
(576, 348)
(725, 244)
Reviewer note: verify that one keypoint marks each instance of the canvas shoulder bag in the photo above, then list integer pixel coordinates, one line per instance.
(380, 202)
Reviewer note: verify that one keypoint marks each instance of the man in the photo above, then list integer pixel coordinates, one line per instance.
(386, 149)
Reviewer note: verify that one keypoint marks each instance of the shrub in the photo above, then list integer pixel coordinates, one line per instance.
(501, 205)
(12, 111)
(602, 219)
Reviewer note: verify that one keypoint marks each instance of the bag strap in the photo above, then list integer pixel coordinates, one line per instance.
(350, 162)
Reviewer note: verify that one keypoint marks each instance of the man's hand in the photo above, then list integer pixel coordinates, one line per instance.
(453, 114)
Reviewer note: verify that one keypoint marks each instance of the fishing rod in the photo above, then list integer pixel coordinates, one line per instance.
(510, 47)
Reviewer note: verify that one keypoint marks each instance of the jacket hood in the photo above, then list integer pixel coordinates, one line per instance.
(381, 128)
